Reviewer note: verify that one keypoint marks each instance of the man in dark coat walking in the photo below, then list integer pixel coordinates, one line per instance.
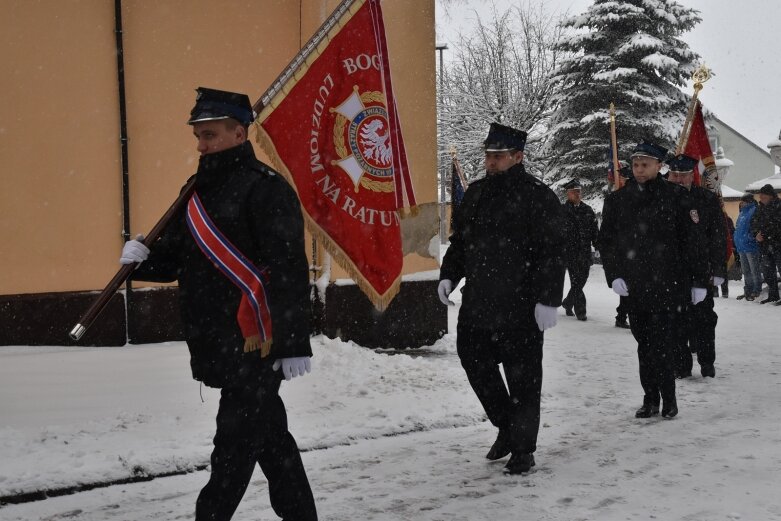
(651, 246)
(240, 335)
(580, 233)
(697, 327)
(506, 242)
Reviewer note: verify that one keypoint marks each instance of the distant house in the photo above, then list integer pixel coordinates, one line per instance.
(751, 162)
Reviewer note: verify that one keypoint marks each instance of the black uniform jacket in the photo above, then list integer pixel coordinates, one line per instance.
(713, 220)
(506, 242)
(258, 211)
(580, 232)
(654, 240)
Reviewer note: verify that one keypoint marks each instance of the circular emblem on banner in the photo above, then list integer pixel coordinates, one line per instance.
(369, 141)
(362, 140)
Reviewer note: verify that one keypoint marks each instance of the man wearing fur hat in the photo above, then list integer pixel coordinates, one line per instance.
(697, 327)
(651, 245)
(506, 243)
(237, 251)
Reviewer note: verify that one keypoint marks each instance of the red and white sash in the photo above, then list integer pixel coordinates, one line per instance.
(254, 316)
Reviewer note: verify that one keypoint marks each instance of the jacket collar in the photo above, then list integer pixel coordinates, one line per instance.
(212, 167)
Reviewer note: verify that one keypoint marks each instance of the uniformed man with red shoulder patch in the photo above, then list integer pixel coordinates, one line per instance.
(697, 329)
(651, 242)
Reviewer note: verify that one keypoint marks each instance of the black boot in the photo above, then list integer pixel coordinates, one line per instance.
(647, 410)
(519, 463)
(500, 448)
(568, 310)
(669, 408)
(708, 370)
(622, 324)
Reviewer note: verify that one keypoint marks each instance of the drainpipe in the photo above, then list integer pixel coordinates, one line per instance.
(123, 141)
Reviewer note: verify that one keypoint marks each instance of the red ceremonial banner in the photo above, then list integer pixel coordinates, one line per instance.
(698, 147)
(330, 125)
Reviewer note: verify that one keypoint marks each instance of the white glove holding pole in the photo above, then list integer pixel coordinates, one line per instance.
(718, 281)
(619, 287)
(134, 251)
(444, 289)
(292, 367)
(545, 316)
(698, 295)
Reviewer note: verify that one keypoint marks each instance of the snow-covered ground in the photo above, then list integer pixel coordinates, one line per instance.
(403, 438)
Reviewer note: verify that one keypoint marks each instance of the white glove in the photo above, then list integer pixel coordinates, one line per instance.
(134, 251)
(545, 316)
(444, 290)
(619, 287)
(698, 295)
(718, 281)
(292, 367)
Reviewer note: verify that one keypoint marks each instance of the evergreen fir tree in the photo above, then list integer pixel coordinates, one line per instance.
(627, 52)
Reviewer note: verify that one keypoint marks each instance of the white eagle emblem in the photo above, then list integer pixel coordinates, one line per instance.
(374, 143)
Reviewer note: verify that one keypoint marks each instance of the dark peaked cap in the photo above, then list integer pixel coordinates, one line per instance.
(768, 190)
(502, 138)
(682, 163)
(573, 185)
(648, 149)
(213, 104)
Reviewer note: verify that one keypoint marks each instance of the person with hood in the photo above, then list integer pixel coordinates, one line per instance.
(506, 242)
(747, 248)
(652, 251)
(237, 251)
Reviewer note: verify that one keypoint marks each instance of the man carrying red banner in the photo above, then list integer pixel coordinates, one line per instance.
(696, 327)
(238, 255)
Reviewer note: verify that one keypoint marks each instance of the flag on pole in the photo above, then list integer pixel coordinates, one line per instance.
(330, 125)
(458, 184)
(698, 147)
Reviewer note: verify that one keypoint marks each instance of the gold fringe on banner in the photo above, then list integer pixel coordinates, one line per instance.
(380, 301)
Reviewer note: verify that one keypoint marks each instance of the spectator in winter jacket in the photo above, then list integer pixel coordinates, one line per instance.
(766, 228)
(747, 248)
(237, 251)
(580, 233)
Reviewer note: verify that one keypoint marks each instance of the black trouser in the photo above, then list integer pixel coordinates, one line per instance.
(514, 409)
(655, 335)
(771, 262)
(621, 312)
(696, 332)
(252, 428)
(578, 275)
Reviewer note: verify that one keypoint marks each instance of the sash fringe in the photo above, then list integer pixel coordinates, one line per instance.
(252, 343)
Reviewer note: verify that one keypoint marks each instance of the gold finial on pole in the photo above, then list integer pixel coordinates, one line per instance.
(701, 75)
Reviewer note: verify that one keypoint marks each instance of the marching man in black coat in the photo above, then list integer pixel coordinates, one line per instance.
(580, 233)
(652, 248)
(237, 251)
(506, 243)
(697, 328)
